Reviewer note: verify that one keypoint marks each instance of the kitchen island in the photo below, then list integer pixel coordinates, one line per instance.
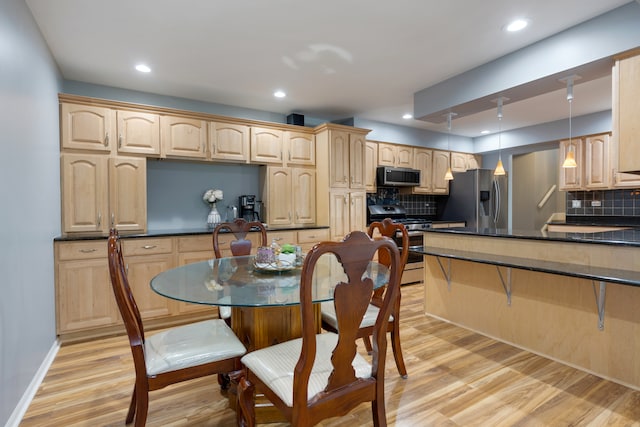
(572, 297)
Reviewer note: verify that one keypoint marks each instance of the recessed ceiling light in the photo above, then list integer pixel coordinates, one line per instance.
(407, 116)
(517, 25)
(143, 68)
(279, 94)
(484, 132)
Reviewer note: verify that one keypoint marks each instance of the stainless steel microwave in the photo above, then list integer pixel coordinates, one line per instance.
(397, 177)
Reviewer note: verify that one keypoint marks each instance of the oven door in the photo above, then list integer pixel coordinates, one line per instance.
(413, 270)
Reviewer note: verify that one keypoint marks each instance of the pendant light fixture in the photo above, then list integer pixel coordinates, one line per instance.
(448, 176)
(499, 167)
(570, 159)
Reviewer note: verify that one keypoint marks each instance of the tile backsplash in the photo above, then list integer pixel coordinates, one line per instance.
(416, 204)
(604, 203)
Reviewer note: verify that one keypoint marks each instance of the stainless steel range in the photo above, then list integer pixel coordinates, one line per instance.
(413, 271)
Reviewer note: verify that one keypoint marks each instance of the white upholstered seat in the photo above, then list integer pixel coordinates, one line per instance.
(274, 365)
(191, 345)
(329, 315)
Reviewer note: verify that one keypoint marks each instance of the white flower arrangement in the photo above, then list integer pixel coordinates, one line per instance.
(211, 196)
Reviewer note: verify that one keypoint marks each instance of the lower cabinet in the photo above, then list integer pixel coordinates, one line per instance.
(347, 213)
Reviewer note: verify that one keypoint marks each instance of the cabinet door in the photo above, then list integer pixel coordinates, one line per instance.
(301, 148)
(440, 165)
(423, 160)
(472, 162)
(371, 163)
(188, 258)
(183, 137)
(597, 168)
(404, 157)
(458, 162)
(386, 154)
(627, 96)
(339, 159)
(86, 127)
(571, 178)
(357, 169)
(358, 211)
(84, 297)
(266, 145)
(84, 192)
(279, 209)
(138, 132)
(128, 193)
(304, 195)
(339, 215)
(229, 142)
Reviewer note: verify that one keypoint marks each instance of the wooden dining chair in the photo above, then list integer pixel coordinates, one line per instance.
(173, 355)
(241, 246)
(322, 375)
(329, 319)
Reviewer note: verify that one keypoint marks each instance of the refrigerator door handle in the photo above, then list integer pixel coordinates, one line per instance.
(496, 201)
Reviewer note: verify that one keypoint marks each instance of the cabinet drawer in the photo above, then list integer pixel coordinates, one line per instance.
(313, 236)
(195, 244)
(282, 237)
(146, 246)
(82, 250)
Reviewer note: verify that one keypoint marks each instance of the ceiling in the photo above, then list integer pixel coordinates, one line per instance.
(335, 59)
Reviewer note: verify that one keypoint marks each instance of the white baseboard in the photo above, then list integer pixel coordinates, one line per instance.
(19, 411)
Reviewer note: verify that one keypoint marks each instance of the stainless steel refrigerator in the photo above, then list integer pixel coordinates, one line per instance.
(477, 197)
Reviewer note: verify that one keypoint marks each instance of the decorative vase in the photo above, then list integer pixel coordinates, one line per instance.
(214, 217)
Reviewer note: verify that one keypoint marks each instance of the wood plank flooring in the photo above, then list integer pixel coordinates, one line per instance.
(456, 378)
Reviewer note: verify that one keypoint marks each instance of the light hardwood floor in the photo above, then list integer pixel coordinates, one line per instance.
(456, 378)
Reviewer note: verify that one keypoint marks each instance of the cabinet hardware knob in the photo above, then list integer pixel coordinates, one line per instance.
(120, 141)
(99, 219)
(106, 139)
(148, 246)
(87, 251)
(113, 219)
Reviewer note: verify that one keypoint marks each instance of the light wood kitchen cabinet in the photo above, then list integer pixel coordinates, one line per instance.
(307, 239)
(138, 132)
(423, 161)
(229, 142)
(440, 166)
(128, 193)
(301, 148)
(291, 195)
(84, 299)
(626, 104)
(597, 172)
(462, 162)
(143, 260)
(347, 160)
(371, 164)
(571, 178)
(87, 127)
(395, 155)
(85, 194)
(99, 192)
(266, 145)
(183, 137)
(347, 213)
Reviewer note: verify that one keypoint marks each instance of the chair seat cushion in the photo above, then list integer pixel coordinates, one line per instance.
(274, 365)
(329, 315)
(191, 345)
(224, 310)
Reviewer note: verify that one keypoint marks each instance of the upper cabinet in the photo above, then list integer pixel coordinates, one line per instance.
(597, 172)
(266, 145)
(423, 160)
(571, 178)
(138, 132)
(229, 142)
(626, 104)
(346, 160)
(183, 137)
(87, 127)
(300, 148)
(440, 166)
(395, 155)
(371, 163)
(462, 162)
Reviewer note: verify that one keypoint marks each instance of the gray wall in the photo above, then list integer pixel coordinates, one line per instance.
(30, 194)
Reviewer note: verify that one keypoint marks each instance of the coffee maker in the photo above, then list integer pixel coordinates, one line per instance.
(248, 208)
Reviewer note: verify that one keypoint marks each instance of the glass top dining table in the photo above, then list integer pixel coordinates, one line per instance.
(240, 282)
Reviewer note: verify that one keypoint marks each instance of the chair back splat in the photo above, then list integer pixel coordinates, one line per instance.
(322, 375)
(239, 227)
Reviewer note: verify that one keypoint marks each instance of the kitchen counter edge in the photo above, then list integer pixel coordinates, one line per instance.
(171, 233)
(626, 237)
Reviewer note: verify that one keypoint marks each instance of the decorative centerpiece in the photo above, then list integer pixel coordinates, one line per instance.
(211, 197)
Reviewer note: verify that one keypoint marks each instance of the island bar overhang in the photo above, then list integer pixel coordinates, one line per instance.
(553, 315)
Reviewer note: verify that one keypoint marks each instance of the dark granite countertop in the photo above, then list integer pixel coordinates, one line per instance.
(627, 237)
(172, 233)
